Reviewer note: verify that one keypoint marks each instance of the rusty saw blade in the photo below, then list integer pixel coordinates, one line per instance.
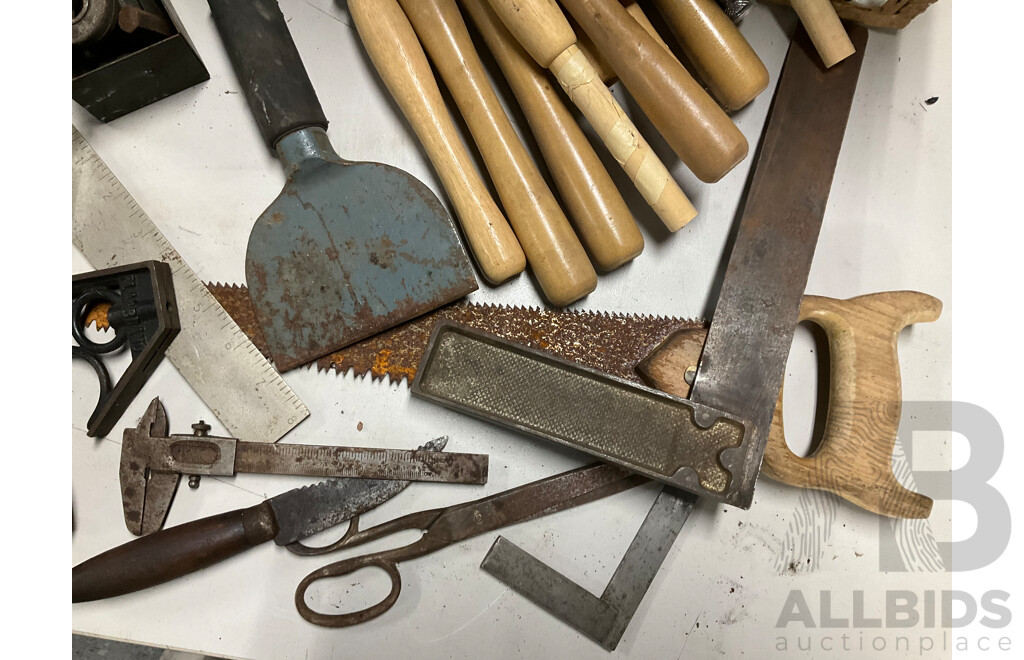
(611, 343)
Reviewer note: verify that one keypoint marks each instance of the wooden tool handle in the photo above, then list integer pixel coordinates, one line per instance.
(643, 167)
(721, 55)
(391, 43)
(826, 30)
(554, 253)
(854, 456)
(697, 129)
(171, 553)
(600, 215)
(540, 27)
(601, 65)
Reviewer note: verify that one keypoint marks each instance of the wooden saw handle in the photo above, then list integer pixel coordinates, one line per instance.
(825, 29)
(600, 215)
(718, 51)
(553, 251)
(391, 44)
(541, 28)
(854, 457)
(695, 126)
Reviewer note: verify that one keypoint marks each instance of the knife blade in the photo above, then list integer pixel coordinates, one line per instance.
(184, 549)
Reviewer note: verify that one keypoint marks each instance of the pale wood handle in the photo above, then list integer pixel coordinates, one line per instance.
(718, 51)
(854, 456)
(538, 25)
(554, 253)
(643, 167)
(693, 124)
(391, 44)
(825, 29)
(604, 70)
(600, 215)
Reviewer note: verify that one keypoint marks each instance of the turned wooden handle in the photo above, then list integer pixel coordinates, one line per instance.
(554, 253)
(171, 553)
(391, 43)
(854, 456)
(721, 55)
(541, 28)
(825, 29)
(693, 124)
(594, 55)
(600, 215)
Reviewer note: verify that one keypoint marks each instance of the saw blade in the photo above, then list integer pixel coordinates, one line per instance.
(608, 342)
(612, 343)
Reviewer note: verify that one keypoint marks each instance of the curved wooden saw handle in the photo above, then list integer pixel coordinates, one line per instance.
(398, 57)
(554, 253)
(600, 215)
(541, 28)
(854, 457)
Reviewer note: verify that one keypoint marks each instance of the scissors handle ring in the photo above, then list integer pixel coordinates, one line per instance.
(338, 569)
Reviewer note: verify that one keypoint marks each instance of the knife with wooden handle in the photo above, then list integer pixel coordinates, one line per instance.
(396, 54)
(541, 28)
(696, 128)
(553, 252)
(600, 215)
(286, 519)
(718, 51)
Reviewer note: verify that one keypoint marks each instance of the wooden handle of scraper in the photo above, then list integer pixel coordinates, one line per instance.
(693, 124)
(825, 29)
(718, 51)
(391, 43)
(600, 215)
(541, 28)
(553, 252)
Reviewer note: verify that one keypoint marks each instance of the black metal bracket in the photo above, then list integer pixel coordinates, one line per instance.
(143, 315)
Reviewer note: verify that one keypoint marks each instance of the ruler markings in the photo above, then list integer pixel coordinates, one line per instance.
(111, 228)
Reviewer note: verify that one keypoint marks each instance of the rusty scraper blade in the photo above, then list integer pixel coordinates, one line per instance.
(348, 248)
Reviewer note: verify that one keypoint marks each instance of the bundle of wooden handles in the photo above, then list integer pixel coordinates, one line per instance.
(526, 37)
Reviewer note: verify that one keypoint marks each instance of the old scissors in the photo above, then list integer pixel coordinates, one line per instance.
(443, 527)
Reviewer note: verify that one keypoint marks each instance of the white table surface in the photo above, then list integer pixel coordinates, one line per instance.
(196, 164)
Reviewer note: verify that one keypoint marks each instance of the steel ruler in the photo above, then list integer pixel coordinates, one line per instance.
(217, 359)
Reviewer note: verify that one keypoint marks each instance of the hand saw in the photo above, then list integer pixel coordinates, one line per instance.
(217, 359)
(853, 456)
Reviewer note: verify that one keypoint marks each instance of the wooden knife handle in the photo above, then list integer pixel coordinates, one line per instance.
(554, 253)
(696, 127)
(540, 27)
(718, 51)
(171, 553)
(391, 43)
(600, 215)
(825, 29)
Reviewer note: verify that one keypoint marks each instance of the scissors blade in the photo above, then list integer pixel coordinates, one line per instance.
(303, 512)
